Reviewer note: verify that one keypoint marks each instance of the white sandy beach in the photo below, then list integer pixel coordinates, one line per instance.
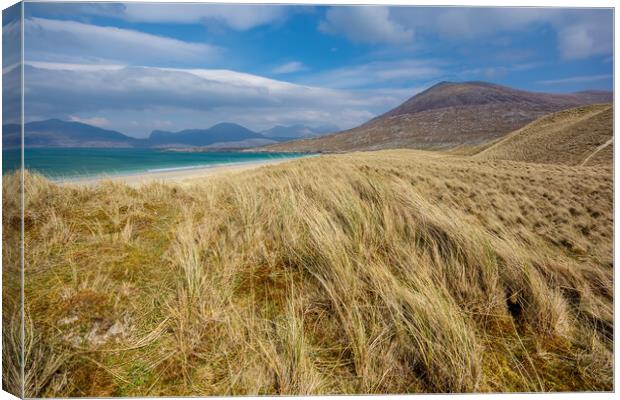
(180, 176)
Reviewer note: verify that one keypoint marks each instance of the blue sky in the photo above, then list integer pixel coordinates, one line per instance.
(136, 67)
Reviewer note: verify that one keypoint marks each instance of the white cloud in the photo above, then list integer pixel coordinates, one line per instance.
(472, 23)
(191, 98)
(576, 79)
(496, 71)
(65, 41)
(290, 67)
(365, 24)
(394, 72)
(585, 38)
(577, 42)
(239, 17)
(73, 9)
(95, 121)
(236, 16)
(235, 79)
(74, 67)
(580, 33)
(11, 66)
(11, 54)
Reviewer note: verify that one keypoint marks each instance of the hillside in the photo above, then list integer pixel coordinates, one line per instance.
(448, 94)
(578, 136)
(448, 115)
(395, 271)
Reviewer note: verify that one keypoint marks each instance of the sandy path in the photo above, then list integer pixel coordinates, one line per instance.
(599, 148)
(184, 176)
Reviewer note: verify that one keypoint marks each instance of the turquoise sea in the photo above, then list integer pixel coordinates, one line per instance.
(61, 163)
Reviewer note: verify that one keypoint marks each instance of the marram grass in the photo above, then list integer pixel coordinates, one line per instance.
(385, 272)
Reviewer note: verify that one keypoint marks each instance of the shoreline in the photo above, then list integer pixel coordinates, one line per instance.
(178, 175)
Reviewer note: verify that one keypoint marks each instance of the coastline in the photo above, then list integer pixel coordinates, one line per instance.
(175, 175)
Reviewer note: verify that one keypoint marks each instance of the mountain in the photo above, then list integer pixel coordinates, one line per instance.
(447, 115)
(223, 132)
(298, 131)
(578, 136)
(448, 94)
(58, 133)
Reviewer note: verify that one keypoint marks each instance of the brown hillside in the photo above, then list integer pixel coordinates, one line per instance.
(579, 136)
(448, 115)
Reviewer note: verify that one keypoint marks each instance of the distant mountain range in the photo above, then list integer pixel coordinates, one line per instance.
(448, 115)
(59, 133)
(224, 132)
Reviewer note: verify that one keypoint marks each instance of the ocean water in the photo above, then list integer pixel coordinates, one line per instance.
(71, 163)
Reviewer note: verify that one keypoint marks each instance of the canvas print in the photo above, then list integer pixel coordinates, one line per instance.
(235, 199)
